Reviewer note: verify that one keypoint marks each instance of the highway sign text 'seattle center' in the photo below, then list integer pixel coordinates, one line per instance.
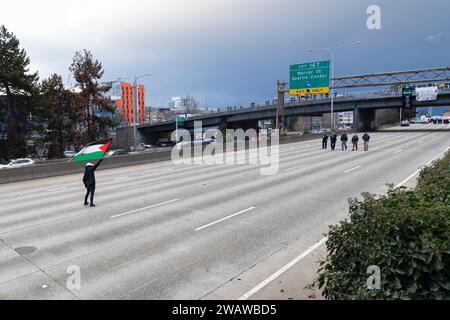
(310, 78)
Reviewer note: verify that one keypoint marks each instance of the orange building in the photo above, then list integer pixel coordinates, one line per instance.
(126, 102)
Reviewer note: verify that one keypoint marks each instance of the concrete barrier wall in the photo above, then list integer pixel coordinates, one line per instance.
(69, 167)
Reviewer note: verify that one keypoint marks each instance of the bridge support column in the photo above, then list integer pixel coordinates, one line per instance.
(223, 126)
(387, 117)
(282, 88)
(364, 119)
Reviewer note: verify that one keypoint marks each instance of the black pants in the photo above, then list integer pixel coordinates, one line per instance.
(90, 191)
(333, 145)
(324, 144)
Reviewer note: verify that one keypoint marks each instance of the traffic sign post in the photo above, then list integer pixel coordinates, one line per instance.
(407, 94)
(310, 78)
(178, 120)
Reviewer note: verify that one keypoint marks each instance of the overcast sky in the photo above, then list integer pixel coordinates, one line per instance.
(232, 51)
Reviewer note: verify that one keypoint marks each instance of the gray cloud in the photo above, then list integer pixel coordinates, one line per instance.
(232, 50)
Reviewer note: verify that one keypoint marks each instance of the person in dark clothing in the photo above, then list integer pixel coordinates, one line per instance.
(89, 182)
(344, 139)
(366, 139)
(333, 141)
(325, 142)
(355, 141)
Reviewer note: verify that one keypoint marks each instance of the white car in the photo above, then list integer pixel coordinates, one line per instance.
(18, 163)
(69, 154)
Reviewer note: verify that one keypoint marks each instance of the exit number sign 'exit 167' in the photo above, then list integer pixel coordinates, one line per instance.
(310, 78)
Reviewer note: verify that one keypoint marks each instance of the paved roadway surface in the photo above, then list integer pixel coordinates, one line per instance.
(165, 231)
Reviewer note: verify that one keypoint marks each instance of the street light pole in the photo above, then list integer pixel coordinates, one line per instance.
(333, 59)
(333, 123)
(135, 107)
(206, 101)
(176, 129)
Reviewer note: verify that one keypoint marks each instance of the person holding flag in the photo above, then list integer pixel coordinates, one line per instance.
(94, 150)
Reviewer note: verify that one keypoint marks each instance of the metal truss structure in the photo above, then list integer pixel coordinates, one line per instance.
(398, 78)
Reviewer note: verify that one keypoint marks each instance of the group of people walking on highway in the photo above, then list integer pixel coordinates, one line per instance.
(344, 139)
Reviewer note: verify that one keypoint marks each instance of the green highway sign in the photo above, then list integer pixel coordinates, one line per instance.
(408, 91)
(310, 78)
(407, 94)
(180, 119)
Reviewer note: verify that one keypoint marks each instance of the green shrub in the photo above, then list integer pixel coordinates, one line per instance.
(405, 233)
(434, 182)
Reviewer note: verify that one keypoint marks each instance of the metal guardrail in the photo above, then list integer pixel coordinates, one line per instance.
(317, 98)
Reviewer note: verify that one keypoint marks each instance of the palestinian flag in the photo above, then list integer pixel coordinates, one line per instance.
(93, 150)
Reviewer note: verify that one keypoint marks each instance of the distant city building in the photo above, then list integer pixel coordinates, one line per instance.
(156, 115)
(175, 103)
(123, 98)
(345, 118)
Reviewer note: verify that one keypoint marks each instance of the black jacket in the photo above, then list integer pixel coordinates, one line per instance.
(366, 137)
(325, 138)
(333, 138)
(89, 176)
(355, 139)
(344, 137)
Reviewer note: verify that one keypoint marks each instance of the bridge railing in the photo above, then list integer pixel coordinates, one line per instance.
(308, 99)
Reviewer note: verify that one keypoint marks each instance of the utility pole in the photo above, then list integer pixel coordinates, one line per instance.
(135, 110)
(206, 100)
(135, 107)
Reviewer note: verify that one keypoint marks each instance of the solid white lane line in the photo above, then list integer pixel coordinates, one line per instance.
(314, 247)
(418, 170)
(297, 167)
(398, 151)
(282, 270)
(56, 189)
(223, 219)
(142, 209)
(352, 169)
(409, 178)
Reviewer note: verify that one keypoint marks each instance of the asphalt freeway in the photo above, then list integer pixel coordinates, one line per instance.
(166, 231)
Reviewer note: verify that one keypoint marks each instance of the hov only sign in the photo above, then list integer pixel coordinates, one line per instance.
(310, 78)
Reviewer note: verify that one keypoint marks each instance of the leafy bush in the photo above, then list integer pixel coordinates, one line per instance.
(434, 182)
(406, 233)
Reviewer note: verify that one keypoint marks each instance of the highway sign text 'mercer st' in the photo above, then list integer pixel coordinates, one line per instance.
(310, 78)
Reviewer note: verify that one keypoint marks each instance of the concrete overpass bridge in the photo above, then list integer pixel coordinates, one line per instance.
(371, 109)
(370, 112)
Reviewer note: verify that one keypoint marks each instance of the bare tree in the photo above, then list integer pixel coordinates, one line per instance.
(190, 104)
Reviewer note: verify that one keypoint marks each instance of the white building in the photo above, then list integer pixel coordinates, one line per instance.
(176, 103)
(345, 118)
